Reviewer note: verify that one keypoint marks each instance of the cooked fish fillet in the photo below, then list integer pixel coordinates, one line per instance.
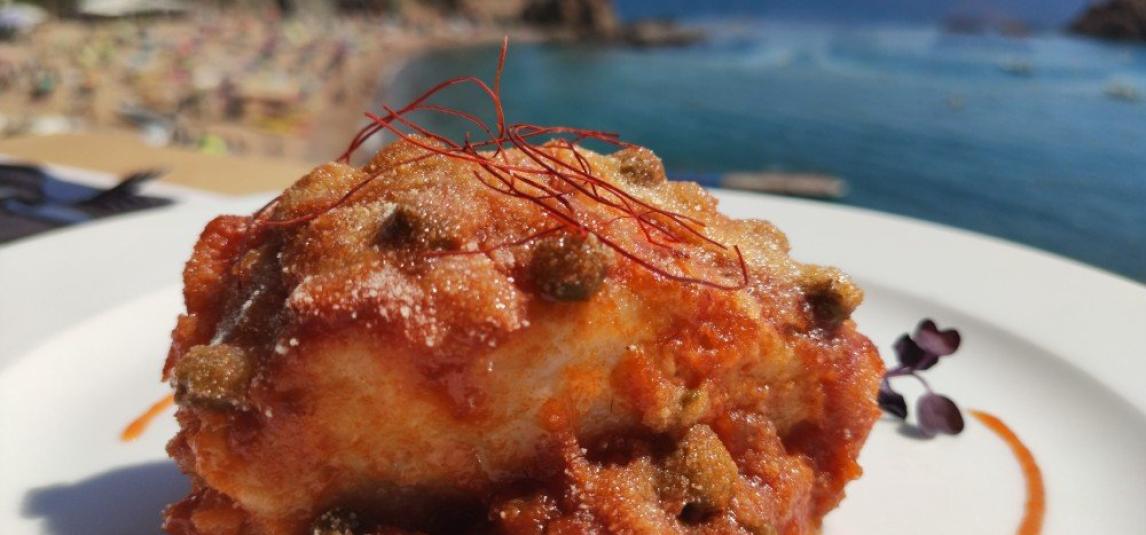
(429, 353)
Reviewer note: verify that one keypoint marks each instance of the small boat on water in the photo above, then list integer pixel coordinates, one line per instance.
(811, 185)
(1017, 67)
(1123, 92)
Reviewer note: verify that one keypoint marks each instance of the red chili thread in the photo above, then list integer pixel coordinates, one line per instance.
(551, 183)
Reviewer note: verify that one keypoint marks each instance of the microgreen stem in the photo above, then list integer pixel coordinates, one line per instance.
(903, 371)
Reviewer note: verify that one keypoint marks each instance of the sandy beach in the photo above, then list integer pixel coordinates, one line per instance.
(218, 82)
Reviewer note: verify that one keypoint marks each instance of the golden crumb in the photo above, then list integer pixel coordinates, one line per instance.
(429, 354)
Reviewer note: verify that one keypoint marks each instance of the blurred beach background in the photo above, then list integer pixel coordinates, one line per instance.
(1022, 119)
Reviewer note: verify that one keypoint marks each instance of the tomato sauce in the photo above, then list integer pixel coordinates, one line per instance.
(1035, 508)
(139, 425)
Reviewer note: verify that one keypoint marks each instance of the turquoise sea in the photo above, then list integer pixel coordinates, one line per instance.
(1013, 137)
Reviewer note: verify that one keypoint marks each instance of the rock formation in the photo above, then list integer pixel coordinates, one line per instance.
(594, 17)
(1123, 20)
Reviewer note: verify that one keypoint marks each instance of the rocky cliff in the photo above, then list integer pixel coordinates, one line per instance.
(595, 17)
(1116, 19)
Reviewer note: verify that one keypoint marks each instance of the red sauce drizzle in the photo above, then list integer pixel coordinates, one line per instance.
(1036, 505)
(139, 425)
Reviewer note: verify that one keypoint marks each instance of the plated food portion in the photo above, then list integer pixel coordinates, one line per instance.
(514, 336)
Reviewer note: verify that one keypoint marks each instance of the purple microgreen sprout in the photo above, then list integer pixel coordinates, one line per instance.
(892, 401)
(937, 413)
(916, 353)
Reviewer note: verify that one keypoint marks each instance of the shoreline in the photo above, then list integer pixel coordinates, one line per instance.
(300, 87)
(392, 69)
(391, 73)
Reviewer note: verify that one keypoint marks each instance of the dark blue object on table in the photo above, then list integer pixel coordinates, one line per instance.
(32, 200)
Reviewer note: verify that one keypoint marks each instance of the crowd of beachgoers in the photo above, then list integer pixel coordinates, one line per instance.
(234, 82)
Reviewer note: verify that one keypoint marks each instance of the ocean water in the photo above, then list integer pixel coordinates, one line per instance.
(918, 122)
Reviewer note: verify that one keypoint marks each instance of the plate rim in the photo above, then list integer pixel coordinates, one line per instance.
(862, 242)
(1020, 301)
(913, 275)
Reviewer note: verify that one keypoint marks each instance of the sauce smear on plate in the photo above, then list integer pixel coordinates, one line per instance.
(139, 425)
(1036, 494)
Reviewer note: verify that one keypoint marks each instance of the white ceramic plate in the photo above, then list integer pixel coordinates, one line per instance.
(73, 273)
(1052, 347)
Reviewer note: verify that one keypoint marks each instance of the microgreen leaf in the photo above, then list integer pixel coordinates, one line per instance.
(908, 352)
(939, 343)
(892, 402)
(938, 414)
